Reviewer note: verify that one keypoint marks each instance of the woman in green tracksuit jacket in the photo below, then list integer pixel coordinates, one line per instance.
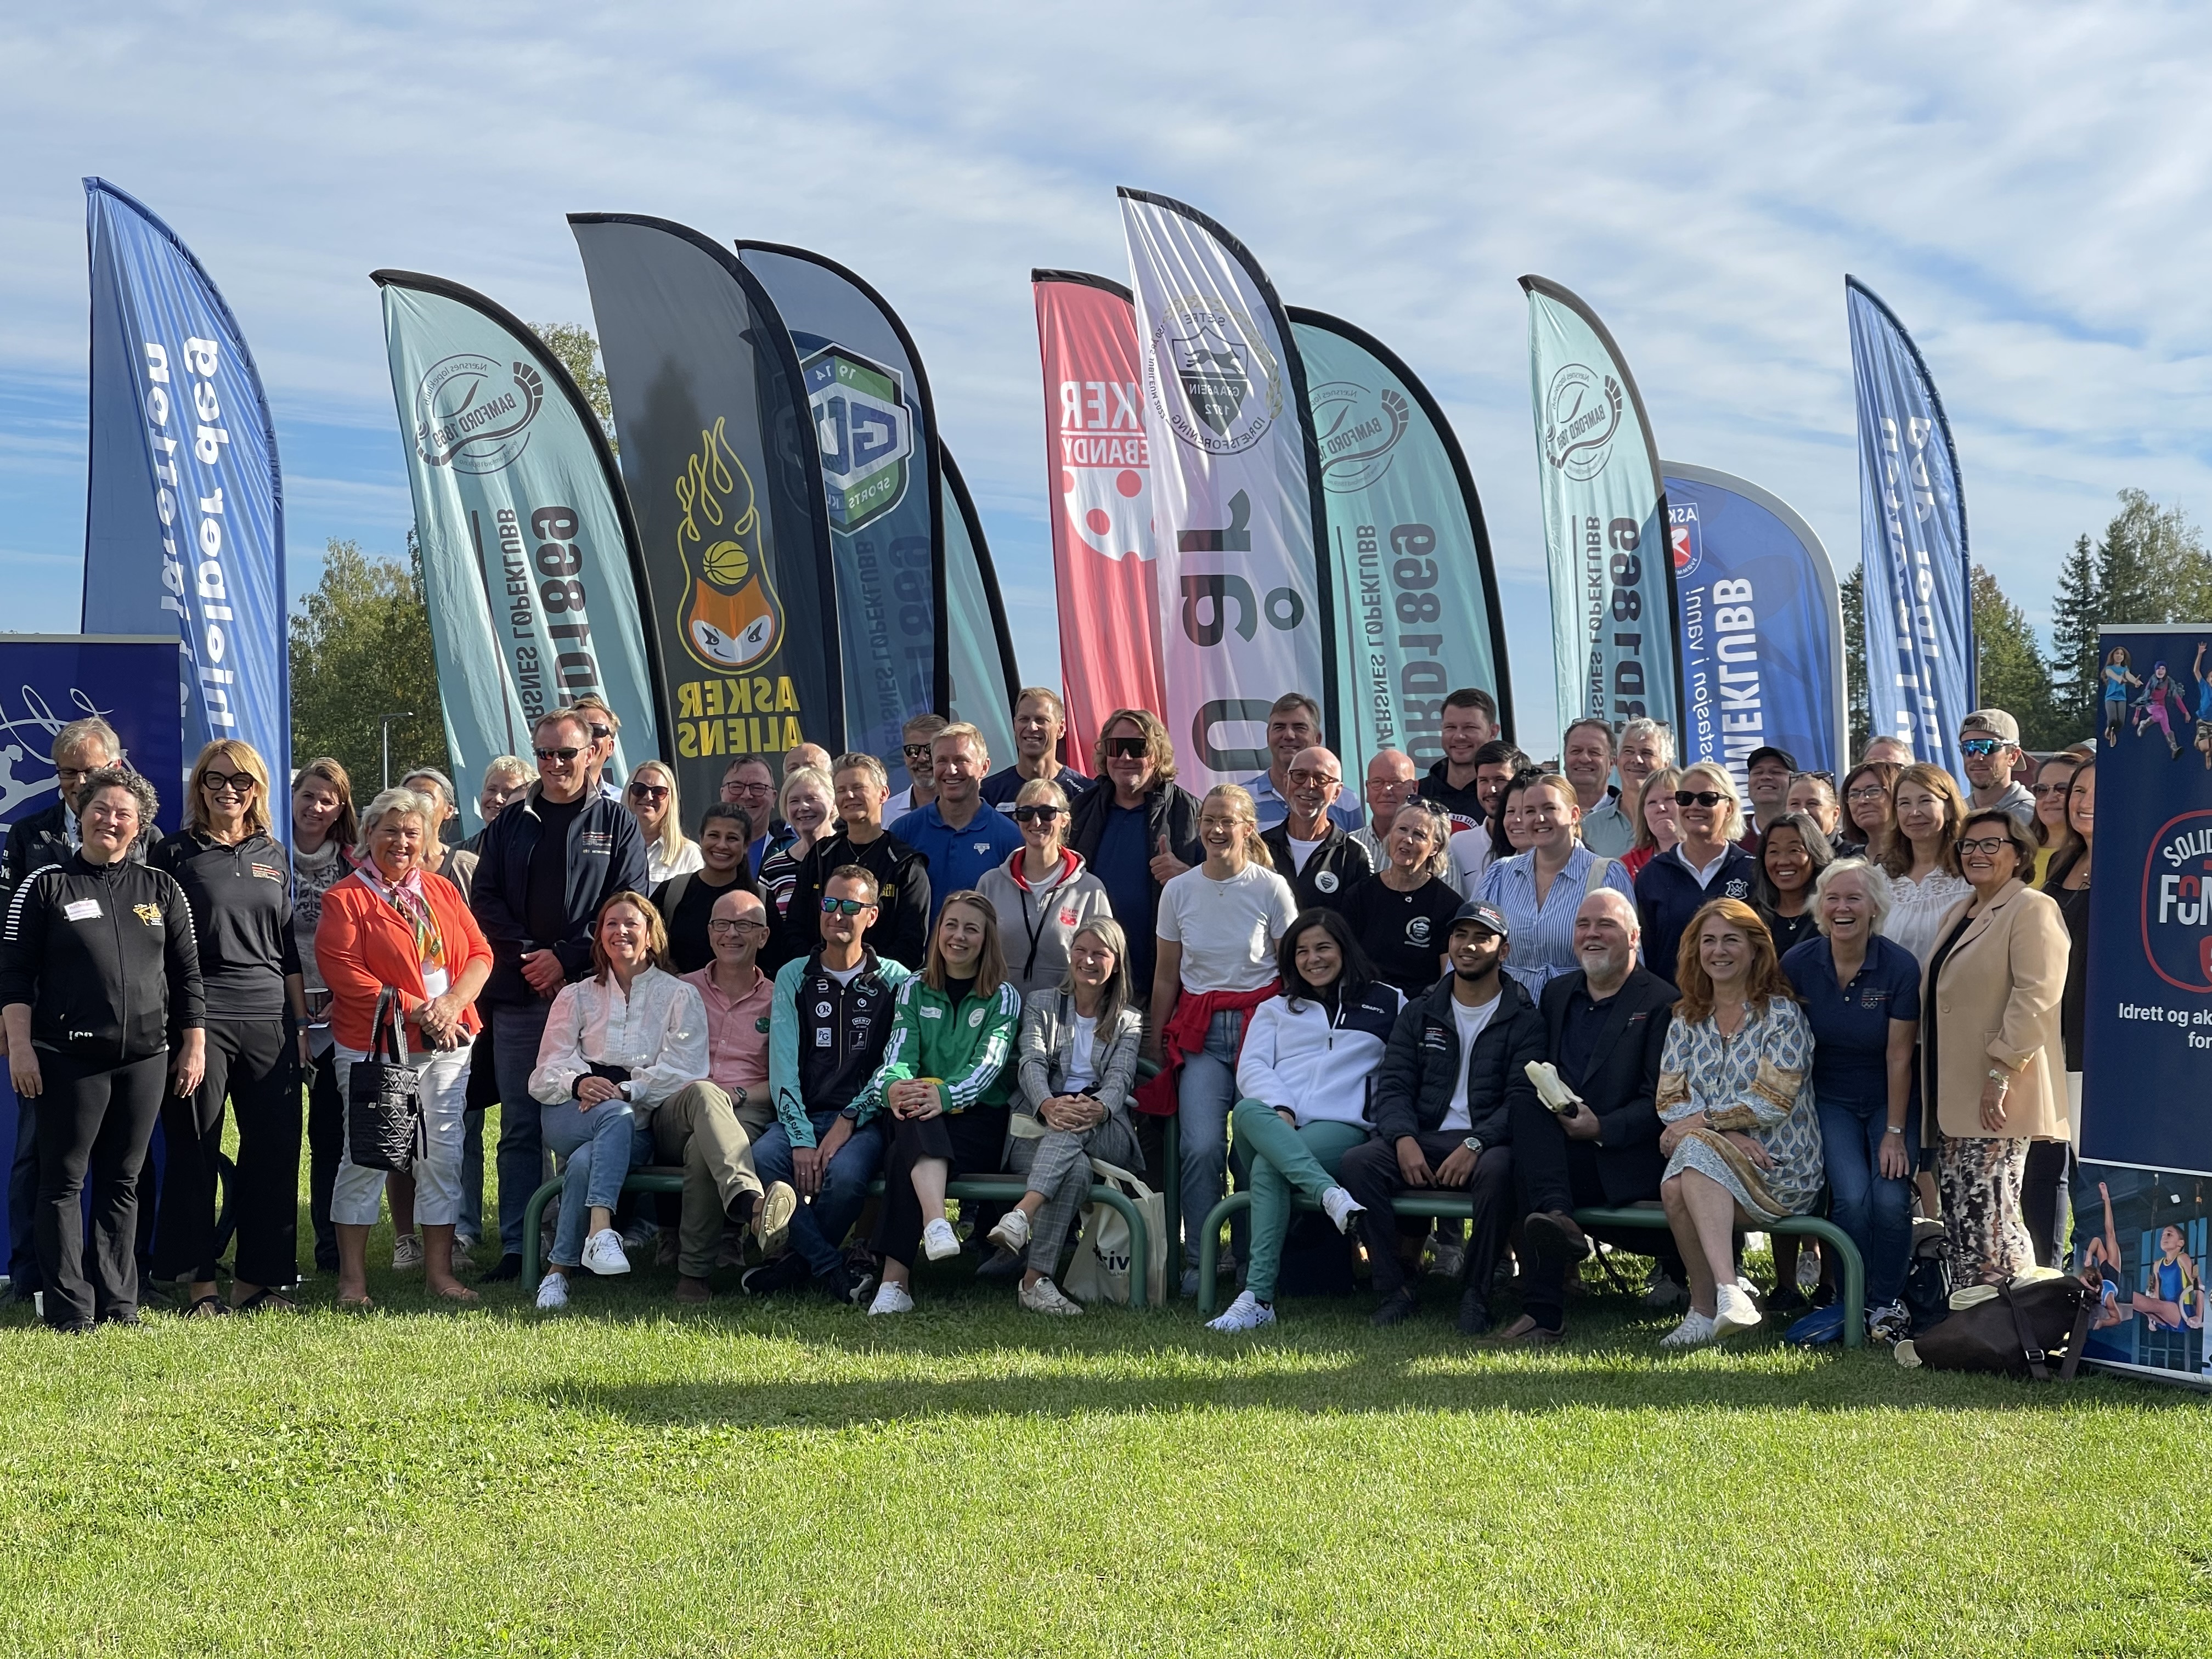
(945, 1080)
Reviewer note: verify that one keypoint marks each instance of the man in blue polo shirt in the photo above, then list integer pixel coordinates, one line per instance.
(959, 835)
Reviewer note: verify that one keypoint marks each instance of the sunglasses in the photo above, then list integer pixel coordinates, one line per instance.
(1979, 747)
(1036, 814)
(916, 750)
(602, 732)
(837, 907)
(1698, 797)
(1128, 748)
(1989, 846)
(649, 792)
(565, 755)
(227, 783)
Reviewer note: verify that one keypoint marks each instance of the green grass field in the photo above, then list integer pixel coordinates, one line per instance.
(789, 1478)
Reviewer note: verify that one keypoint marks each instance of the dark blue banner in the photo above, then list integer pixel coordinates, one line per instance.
(1912, 540)
(979, 646)
(185, 517)
(1760, 624)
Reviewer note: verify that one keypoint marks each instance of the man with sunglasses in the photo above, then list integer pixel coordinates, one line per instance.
(960, 836)
(1040, 722)
(833, 1015)
(550, 860)
(1989, 741)
(1311, 852)
(914, 750)
(1138, 829)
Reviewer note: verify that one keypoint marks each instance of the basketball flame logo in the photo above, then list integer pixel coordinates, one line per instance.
(733, 618)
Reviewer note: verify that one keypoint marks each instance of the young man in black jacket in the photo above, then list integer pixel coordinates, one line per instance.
(1605, 1026)
(1315, 854)
(1443, 1105)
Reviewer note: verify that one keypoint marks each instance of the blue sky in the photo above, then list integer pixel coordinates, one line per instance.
(2030, 197)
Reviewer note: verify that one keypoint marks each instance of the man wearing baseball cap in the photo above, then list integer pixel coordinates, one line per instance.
(1455, 1067)
(1989, 739)
(1767, 771)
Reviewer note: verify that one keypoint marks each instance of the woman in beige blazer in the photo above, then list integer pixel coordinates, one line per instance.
(1994, 1062)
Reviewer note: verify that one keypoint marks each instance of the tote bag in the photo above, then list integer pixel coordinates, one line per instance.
(1100, 1270)
(384, 1105)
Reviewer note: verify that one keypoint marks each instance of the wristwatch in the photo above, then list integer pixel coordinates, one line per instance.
(1893, 1129)
(2002, 1078)
(1473, 1146)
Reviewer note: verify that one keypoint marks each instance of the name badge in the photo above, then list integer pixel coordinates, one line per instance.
(81, 909)
(435, 981)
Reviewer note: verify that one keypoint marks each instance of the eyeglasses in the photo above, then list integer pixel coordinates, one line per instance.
(69, 775)
(1988, 846)
(565, 755)
(915, 750)
(1128, 748)
(649, 792)
(227, 783)
(837, 907)
(1977, 747)
(2050, 788)
(1698, 797)
(749, 925)
(1036, 814)
(1313, 780)
(734, 788)
(1870, 791)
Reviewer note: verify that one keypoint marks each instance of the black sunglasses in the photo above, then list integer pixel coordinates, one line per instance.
(564, 754)
(649, 792)
(837, 907)
(1698, 797)
(1036, 814)
(1128, 748)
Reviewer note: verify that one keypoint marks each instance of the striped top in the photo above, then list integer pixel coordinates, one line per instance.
(1543, 943)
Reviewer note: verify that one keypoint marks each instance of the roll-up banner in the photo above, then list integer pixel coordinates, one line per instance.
(184, 529)
(1246, 611)
(876, 434)
(1098, 463)
(979, 645)
(529, 557)
(1762, 625)
(1416, 601)
(717, 452)
(1912, 540)
(1605, 530)
(2142, 1198)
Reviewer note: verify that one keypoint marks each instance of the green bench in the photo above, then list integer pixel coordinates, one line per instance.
(977, 1188)
(1647, 1216)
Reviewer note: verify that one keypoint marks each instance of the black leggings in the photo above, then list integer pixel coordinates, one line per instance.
(326, 1147)
(973, 1141)
(253, 1064)
(92, 1122)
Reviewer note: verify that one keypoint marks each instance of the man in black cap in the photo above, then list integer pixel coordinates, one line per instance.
(1456, 1064)
(1767, 772)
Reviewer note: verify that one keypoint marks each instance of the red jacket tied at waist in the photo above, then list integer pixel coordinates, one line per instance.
(1185, 1034)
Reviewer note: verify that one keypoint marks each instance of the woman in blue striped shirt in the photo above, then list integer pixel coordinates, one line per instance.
(1540, 890)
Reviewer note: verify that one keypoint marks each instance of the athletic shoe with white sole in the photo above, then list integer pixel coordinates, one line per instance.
(1246, 1313)
(1891, 1324)
(603, 1253)
(1734, 1313)
(938, 1241)
(890, 1299)
(1340, 1207)
(552, 1292)
(1044, 1297)
(772, 1217)
(1695, 1328)
(1012, 1232)
(406, 1252)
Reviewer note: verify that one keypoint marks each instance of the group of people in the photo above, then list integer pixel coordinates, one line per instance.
(1606, 981)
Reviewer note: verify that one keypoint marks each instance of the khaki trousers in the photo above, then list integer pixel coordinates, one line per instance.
(699, 1128)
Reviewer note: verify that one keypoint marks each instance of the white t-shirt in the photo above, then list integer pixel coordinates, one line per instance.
(1300, 852)
(1471, 1022)
(1082, 1061)
(846, 976)
(1227, 929)
(1470, 857)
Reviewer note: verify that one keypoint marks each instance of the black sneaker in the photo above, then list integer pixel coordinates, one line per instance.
(787, 1272)
(1397, 1307)
(1003, 1268)
(510, 1266)
(856, 1288)
(1473, 1315)
(1554, 1237)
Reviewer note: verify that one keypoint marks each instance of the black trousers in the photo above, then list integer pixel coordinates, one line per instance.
(2044, 1194)
(325, 1147)
(1553, 1172)
(253, 1065)
(973, 1141)
(94, 1124)
(1370, 1173)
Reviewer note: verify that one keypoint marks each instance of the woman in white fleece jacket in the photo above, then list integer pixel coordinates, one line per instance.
(1308, 1058)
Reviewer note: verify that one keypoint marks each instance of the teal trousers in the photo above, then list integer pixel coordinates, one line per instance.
(1283, 1161)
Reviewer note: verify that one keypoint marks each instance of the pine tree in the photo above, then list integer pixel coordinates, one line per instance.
(2011, 672)
(2076, 611)
(1860, 719)
(2152, 566)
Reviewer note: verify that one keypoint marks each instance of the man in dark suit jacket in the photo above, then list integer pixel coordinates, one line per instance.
(1606, 1025)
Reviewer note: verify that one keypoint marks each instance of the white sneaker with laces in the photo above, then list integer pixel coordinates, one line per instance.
(1340, 1207)
(406, 1252)
(938, 1241)
(1734, 1312)
(1695, 1328)
(890, 1299)
(1746, 1287)
(1045, 1297)
(1012, 1233)
(552, 1292)
(603, 1253)
(1246, 1313)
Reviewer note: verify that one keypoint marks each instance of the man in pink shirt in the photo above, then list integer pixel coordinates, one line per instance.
(709, 1127)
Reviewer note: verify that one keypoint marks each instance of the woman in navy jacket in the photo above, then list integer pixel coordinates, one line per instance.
(1705, 864)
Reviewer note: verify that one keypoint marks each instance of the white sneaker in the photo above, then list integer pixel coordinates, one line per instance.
(938, 1241)
(1012, 1235)
(1695, 1328)
(406, 1252)
(1809, 1268)
(890, 1299)
(553, 1293)
(1734, 1311)
(1340, 1207)
(1246, 1313)
(1044, 1296)
(603, 1253)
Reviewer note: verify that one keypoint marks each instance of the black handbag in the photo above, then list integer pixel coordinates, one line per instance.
(2017, 1332)
(383, 1101)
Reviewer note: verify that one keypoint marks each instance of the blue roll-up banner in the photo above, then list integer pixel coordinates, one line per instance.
(979, 646)
(2142, 1199)
(1762, 625)
(184, 513)
(1912, 540)
(47, 680)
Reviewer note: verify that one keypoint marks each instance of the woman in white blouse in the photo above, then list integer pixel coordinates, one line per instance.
(616, 1046)
(651, 797)
(1929, 810)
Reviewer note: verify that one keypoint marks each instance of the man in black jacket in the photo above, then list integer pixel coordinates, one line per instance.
(1605, 1026)
(1317, 856)
(900, 929)
(1136, 828)
(550, 860)
(1456, 1063)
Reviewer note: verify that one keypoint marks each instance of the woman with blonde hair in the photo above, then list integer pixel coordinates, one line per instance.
(1706, 863)
(1927, 809)
(1741, 1137)
(1043, 893)
(651, 797)
(1658, 825)
(807, 802)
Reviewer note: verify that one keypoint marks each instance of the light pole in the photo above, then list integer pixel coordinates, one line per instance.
(384, 721)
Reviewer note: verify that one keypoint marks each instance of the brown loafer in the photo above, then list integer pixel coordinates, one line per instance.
(1527, 1332)
(693, 1292)
(1555, 1234)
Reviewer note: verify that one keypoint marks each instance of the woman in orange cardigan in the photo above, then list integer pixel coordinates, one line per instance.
(395, 925)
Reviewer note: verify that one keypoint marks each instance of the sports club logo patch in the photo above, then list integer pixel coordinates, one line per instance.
(266, 871)
(974, 1020)
(1357, 428)
(1735, 889)
(1686, 537)
(472, 413)
(822, 1010)
(2176, 902)
(1581, 413)
(864, 430)
(1212, 377)
(1327, 882)
(148, 913)
(1416, 930)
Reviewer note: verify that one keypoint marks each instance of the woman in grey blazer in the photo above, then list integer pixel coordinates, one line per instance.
(1077, 1061)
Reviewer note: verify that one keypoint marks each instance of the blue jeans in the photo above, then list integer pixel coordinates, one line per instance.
(1205, 1093)
(1875, 1210)
(515, 1033)
(599, 1147)
(819, 1227)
